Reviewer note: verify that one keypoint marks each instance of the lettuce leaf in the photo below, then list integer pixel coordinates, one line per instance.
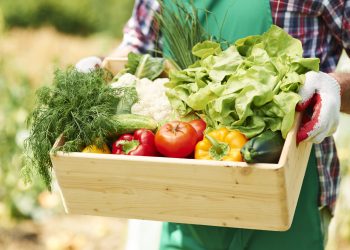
(145, 66)
(205, 49)
(251, 86)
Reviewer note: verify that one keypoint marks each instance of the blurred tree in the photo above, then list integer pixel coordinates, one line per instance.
(80, 17)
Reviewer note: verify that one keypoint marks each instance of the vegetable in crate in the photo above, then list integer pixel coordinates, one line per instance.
(140, 143)
(144, 66)
(128, 97)
(180, 32)
(152, 100)
(96, 150)
(221, 145)
(129, 123)
(264, 148)
(79, 106)
(176, 139)
(199, 125)
(251, 86)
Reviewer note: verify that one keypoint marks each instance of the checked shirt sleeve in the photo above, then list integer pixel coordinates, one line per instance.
(337, 17)
(346, 27)
(140, 32)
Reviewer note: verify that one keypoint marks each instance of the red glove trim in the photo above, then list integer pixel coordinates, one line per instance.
(309, 124)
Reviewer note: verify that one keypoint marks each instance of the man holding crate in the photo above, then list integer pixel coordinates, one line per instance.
(323, 27)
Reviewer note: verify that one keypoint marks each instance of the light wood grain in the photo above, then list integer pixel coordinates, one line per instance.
(292, 160)
(230, 194)
(114, 64)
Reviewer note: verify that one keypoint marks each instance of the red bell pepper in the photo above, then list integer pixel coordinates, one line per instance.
(140, 143)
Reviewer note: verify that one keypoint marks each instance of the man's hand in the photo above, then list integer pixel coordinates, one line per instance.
(321, 94)
(88, 64)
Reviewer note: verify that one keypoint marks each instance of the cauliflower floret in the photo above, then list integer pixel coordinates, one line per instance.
(152, 99)
(124, 81)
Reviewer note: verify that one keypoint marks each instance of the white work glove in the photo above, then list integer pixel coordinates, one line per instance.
(88, 64)
(321, 94)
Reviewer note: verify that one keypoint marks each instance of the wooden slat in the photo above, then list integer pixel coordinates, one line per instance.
(295, 163)
(114, 64)
(190, 193)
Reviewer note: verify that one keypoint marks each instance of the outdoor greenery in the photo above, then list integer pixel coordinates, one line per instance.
(80, 17)
(15, 103)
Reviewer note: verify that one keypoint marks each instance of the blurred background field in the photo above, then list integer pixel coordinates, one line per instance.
(37, 36)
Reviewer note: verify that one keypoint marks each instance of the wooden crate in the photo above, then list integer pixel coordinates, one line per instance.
(229, 194)
(114, 64)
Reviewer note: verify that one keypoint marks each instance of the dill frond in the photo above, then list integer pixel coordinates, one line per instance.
(79, 106)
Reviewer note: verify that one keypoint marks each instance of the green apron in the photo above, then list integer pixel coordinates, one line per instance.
(231, 20)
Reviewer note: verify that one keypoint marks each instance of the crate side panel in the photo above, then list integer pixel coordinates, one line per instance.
(215, 214)
(294, 159)
(211, 195)
(295, 168)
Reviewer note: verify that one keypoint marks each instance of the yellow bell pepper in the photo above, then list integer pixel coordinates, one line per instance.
(221, 145)
(97, 150)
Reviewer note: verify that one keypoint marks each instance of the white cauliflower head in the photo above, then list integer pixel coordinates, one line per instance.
(152, 101)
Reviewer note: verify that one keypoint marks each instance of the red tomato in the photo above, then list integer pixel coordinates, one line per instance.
(176, 139)
(199, 125)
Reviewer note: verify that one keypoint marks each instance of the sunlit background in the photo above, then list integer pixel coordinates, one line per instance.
(37, 36)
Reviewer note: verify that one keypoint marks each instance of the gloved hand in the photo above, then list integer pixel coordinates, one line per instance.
(321, 95)
(88, 64)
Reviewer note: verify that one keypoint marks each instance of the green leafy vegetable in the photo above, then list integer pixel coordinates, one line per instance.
(206, 48)
(251, 86)
(79, 106)
(181, 30)
(127, 98)
(144, 66)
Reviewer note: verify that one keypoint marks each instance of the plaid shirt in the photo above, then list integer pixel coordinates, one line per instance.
(323, 27)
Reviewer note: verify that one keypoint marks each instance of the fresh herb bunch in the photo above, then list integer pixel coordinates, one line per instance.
(181, 31)
(78, 106)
